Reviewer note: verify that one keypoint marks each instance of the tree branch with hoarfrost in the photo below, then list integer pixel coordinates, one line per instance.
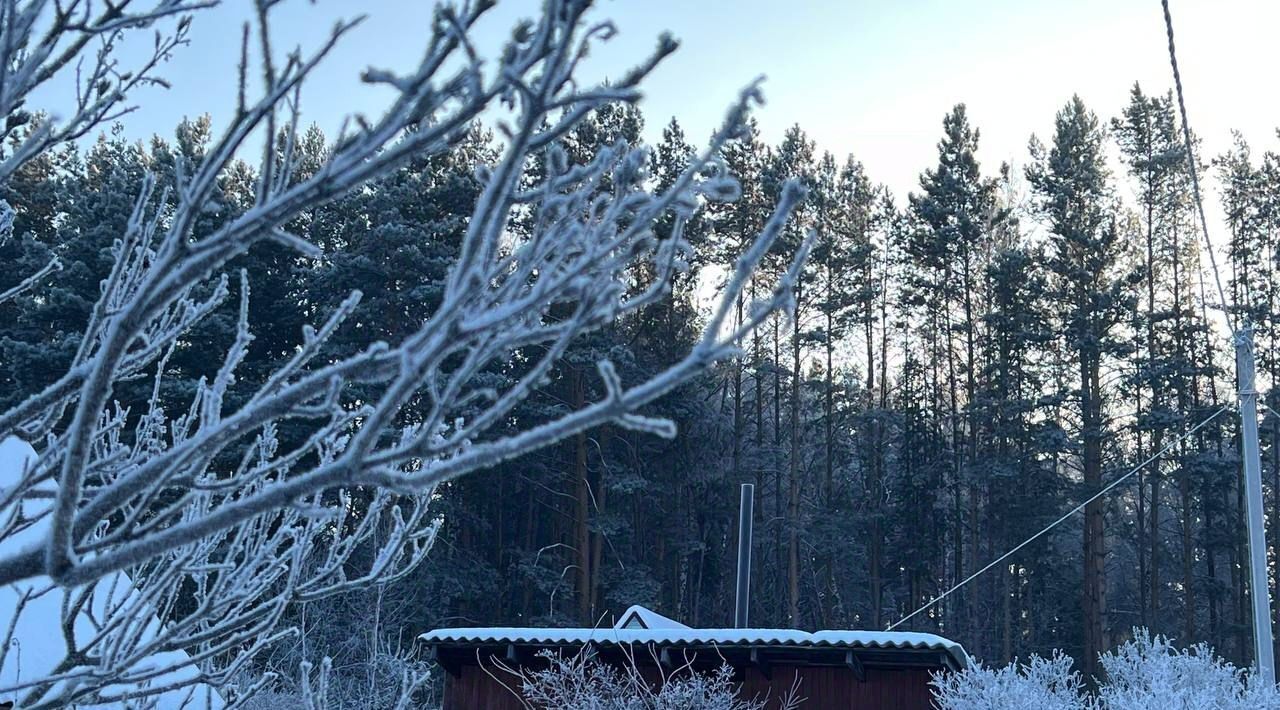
(216, 522)
(41, 40)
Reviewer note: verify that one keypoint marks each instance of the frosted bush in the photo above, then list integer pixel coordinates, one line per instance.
(275, 700)
(1145, 673)
(581, 682)
(1150, 673)
(1040, 684)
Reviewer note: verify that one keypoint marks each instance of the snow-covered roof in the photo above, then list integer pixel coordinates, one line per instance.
(681, 635)
(638, 617)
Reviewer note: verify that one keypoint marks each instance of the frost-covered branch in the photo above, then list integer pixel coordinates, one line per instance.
(581, 681)
(221, 525)
(41, 39)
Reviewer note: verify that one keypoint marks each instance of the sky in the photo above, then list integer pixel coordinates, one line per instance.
(869, 77)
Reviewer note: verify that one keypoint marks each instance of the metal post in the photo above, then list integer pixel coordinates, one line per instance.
(742, 604)
(1264, 655)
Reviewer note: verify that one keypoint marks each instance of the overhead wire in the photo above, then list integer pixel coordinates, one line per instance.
(1065, 516)
(1191, 166)
(1222, 295)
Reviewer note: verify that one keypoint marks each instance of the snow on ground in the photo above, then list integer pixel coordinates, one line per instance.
(37, 643)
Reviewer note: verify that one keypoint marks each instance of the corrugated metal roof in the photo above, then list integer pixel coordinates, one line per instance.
(702, 637)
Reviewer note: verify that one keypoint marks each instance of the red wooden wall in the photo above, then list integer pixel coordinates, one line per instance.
(825, 688)
(474, 688)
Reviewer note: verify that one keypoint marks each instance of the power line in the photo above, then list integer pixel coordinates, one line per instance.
(1064, 517)
(1204, 229)
(1264, 652)
(1191, 165)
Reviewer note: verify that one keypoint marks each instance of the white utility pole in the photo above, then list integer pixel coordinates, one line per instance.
(1259, 589)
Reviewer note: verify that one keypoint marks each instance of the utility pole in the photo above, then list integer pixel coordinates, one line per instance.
(1263, 652)
(1259, 590)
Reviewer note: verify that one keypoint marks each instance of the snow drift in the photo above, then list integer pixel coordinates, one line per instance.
(33, 609)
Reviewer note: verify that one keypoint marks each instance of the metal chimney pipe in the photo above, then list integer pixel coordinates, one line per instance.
(744, 556)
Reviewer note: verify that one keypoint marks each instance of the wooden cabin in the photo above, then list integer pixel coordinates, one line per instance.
(833, 670)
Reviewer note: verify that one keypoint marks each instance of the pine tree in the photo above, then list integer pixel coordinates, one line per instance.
(1249, 197)
(794, 158)
(956, 206)
(843, 297)
(1024, 492)
(732, 225)
(1075, 198)
(1152, 149)
(38, 193)
(73, 208)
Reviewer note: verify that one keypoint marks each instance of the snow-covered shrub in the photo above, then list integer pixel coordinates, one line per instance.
(324, 687)
(1040, 684)
(1145, 673)
(275, 700)
(375, 663)
(581, 682)
(1150, 673)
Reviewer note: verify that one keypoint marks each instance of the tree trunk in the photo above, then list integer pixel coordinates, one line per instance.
(597, 542)
(793, 500)
(1095, 555)
(961, 620)
(971, 443)
(877, 533)
(781, 515)
(1153, 530)
(1157, 433)
(736, 463)
(1183, 386)
(582, 508)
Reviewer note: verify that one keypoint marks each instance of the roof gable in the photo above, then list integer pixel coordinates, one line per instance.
(638, 617)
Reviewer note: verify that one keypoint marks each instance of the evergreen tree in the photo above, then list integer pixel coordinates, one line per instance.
(956, 208)
(732, 226)
(38, 193)
(951, 383)
(1092, 296)
(794, 158)
(74, 211)
(1152, 148)
(1025, 491)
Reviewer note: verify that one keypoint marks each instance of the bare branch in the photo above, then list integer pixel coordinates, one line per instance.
(206, 501)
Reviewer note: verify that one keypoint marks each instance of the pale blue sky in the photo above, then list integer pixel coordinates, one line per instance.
(871, 77)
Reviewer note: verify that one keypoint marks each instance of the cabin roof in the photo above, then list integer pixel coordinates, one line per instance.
(644, 627)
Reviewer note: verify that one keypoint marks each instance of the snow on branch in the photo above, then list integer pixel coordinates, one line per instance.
(40, 40)
(220, 525)
(581, 681)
